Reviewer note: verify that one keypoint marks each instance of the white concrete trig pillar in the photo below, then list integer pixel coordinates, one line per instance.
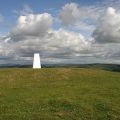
(36, 61)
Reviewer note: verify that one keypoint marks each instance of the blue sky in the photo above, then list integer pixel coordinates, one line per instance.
(75, 31)
(8, 7)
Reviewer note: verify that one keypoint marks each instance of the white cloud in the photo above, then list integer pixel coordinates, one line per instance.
(70, 13)
(4, 49)
(84, 27)
(108, 29)
(80, 18)
(34, 33)
(73, 12)
(26, 10)
(55, 44)
(31, 25)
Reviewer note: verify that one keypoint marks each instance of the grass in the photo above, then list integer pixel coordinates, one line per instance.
(59, 94)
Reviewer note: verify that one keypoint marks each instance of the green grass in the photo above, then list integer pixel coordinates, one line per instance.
(59, 94)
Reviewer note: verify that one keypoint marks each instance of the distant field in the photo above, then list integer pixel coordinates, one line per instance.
(59, 94)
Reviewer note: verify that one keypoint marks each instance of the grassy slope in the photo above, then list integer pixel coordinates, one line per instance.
(59, 94)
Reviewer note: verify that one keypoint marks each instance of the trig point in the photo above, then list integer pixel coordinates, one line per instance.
(36, 61)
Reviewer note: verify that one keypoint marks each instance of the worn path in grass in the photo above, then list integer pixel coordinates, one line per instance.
(59, 94)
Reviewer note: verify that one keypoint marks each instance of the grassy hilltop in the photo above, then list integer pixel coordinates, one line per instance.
(59, 94)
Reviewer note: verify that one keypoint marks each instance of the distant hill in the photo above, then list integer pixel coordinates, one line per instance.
(109, 67)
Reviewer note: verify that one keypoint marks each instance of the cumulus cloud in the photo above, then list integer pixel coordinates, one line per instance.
(73, 12)
(108, 29)
(70, 13)
(26, 10)
(5, 51)
(34, 33)
(31, 25)
(37, 33)
(56, 44)
(81, 18)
